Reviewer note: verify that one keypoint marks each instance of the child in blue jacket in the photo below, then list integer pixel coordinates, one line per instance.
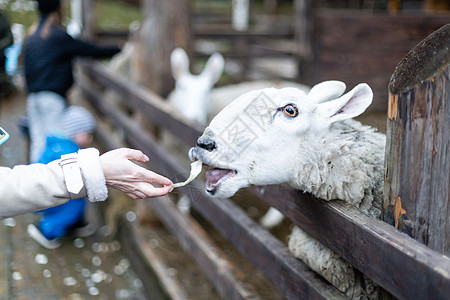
(78, 126)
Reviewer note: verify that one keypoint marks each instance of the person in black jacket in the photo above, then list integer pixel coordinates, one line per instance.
(48, 57)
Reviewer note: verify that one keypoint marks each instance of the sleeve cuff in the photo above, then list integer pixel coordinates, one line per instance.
(91, 169)
(72, 175)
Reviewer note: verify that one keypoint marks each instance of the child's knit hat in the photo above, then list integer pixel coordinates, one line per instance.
(77, 119)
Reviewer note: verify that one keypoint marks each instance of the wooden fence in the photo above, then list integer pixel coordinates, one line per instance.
(353, 46)
(399, 264)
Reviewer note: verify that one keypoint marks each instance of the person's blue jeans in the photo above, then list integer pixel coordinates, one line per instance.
(44, 114)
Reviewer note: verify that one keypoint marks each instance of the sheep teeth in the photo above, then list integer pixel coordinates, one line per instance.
(215, 177)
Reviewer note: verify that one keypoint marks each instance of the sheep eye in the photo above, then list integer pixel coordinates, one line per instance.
(290, 110)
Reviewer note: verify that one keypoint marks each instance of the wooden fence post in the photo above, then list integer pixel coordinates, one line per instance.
(166, 25)
(88, 19)
(303, 31)
(417, 168)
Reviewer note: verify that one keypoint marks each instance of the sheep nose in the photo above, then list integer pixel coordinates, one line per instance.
(207, 144)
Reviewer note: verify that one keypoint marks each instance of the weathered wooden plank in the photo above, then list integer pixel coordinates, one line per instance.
(254, 51)
(89, 18)
(374, 247)
(148, 265)
(165, 25)
(417, 186)
(303, 27)
(220, 31)
(288, 274)
(209, 257)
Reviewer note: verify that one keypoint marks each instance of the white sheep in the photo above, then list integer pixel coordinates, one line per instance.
(309, 141)
(195, 98)
(191, 95)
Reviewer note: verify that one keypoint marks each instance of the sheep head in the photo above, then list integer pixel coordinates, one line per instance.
(191, 93)
(264, 136)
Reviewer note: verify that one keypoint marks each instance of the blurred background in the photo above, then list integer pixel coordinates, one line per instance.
(278, 41)
(303, 41)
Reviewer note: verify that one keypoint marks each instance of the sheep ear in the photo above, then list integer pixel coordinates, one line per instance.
(214, 67)
(348, 106)
(325, 91)
(179, 63)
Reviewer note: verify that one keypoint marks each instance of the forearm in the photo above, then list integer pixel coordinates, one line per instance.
(87, 49)
(30, 188)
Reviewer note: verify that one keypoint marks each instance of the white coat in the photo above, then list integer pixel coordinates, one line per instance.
(29, 188)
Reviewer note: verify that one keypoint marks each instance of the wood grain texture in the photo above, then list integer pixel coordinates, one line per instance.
(166, 25)
(418, 143)
(357, 47)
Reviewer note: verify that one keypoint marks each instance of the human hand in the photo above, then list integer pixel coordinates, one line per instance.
(123, 175)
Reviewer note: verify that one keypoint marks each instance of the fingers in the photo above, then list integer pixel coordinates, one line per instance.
(144, 173)
(134, 154)
(161, 191)
(136, 195)
(156, 178)
(146, 190)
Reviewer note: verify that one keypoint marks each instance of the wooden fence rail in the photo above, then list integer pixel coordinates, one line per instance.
(401, 265)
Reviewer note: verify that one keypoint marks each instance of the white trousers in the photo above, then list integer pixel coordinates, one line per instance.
(44, 114)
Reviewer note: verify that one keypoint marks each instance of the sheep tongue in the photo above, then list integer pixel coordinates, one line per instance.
(214, 175)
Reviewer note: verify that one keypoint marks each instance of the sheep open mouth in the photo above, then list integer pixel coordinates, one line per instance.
(215, 177)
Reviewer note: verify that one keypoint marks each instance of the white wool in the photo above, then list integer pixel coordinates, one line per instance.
(321, 259)
(333, 268)
(91, 169)
(346, 163)
(349, 167)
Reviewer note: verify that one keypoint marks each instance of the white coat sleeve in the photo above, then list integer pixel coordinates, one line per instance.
(29, 188)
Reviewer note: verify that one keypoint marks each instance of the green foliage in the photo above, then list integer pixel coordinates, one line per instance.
(111, 15)
(116, 15)
(19, 11)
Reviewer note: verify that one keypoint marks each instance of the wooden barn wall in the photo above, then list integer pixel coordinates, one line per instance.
(357, 47)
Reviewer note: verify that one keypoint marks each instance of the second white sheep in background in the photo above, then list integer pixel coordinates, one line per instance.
(309, 141)
(191, 95)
